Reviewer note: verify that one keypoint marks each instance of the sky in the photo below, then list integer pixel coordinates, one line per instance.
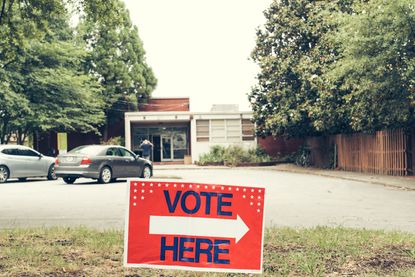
(200, 48)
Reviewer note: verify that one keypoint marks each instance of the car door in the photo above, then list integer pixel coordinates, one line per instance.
(129, 164)
(115, 160)
(14, 162)
(33, 163)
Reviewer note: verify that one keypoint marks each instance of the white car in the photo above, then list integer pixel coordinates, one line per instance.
(21, 162)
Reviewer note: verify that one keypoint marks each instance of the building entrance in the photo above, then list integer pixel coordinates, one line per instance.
(169, 143)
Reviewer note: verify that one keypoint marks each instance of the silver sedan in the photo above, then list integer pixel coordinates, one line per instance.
(105, 163)
(17, 161)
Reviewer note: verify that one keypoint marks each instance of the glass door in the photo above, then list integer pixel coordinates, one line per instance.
(179, 146)
(166, 148)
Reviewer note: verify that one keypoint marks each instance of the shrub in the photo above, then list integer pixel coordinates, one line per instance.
(114, 141)
(215, 155)
(303, 156)
(233, 155)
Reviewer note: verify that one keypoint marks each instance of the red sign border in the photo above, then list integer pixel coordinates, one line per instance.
(188, 268)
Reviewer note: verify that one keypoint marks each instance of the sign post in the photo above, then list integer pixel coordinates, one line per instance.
(194, 226)
(62, 143)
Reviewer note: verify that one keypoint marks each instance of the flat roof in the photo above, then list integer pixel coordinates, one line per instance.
(187, 113)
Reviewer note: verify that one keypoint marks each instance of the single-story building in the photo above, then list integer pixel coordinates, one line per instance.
(179, 135)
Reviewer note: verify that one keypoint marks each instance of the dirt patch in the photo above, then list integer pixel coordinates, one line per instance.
(385, 261)
(63, 242)
(389, 260)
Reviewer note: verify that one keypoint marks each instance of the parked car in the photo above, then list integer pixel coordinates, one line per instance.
(105, 163)
(22, 162)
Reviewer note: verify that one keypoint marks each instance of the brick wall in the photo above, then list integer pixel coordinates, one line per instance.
(166, 105)
(280, 146)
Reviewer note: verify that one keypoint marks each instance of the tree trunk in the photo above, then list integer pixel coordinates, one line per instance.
(106, 130)
(3, 7)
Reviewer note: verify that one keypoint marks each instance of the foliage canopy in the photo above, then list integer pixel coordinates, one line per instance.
(334, 67)
(54, 77)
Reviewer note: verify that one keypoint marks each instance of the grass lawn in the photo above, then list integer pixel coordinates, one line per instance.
(287, 252)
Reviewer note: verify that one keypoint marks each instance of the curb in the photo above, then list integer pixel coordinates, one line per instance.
(310, 172)
(374, 182)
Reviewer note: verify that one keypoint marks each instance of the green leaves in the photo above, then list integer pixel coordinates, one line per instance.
(377, 65)
(52, 79)
(334, 66)
(43, 83)
(117, 57)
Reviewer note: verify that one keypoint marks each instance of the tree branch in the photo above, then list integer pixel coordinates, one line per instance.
(3, 7)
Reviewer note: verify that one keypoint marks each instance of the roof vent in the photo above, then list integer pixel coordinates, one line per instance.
(225, 108)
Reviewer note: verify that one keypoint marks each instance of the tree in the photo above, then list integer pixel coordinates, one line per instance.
(377, 67)
(12, 109)
(117, 59)
(44, 86)
(62, 97)
(294, 51)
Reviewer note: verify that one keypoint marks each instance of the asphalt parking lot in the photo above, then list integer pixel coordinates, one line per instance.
(292, 199)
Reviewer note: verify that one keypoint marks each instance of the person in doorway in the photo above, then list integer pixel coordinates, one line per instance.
(146, 147)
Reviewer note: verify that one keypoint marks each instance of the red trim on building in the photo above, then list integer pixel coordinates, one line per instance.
(166, 105)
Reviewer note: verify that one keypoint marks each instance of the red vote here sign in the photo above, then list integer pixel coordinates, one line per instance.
(194, 226)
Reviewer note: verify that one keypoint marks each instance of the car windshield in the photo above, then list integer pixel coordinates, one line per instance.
(87, 150)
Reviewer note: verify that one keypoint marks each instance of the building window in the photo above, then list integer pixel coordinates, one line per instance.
(217, 128)
(225, 130)
(248, 130)
(202, 130)
(233, 130)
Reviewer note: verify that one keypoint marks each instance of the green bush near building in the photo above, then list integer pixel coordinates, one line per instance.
(233, 155)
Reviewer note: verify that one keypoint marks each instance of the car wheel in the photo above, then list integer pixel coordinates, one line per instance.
(22, 179)
(52, 173)
(146, 172)
(4, 174)
(69, 180)
(105, 175)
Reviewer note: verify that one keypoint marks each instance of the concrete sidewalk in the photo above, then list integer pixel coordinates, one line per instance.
(407, 183)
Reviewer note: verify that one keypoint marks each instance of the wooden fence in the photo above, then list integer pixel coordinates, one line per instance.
(385, 152)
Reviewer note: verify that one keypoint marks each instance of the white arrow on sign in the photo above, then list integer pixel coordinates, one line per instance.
(198, 226)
